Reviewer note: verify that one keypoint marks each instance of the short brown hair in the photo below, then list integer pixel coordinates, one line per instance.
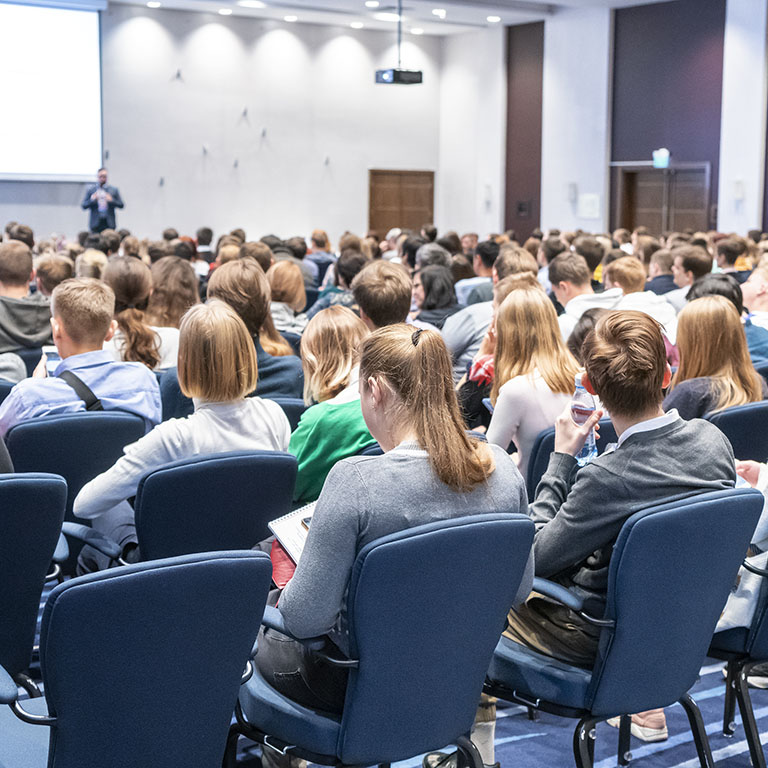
(645, 248)
(228, 252)
(84, 306)
(664, 259)
(731, 248)
(625, 359)
(15, 263)
(627, 272)
(383, 291)
(52, 270)
(243, 285)
(512, 260)
(694, 258)
(569, 268)
(287, 285)
(259, 251)
(217, 357)
(23, 234)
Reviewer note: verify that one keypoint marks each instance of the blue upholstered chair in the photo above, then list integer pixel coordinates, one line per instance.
(31, 513)
(371, 450)
(206, 503)
(672, 568)
(31, 357)
(293, 407)
(762, 369)
(141, 665)
(545, 444)
(746, 426)
(742, 648)
(294, 339)
(425, 607)
(5, 388)
(312, 294)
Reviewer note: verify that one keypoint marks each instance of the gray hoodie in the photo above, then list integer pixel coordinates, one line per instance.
(24, 322)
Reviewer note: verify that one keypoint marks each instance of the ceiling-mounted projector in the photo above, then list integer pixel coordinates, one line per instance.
(399, 76)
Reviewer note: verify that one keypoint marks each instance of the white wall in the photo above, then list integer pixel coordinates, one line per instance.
(576, 119)
(473, 120)
(309, 88)
(743, 121)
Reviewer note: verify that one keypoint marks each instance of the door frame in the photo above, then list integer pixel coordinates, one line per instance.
(620, 169)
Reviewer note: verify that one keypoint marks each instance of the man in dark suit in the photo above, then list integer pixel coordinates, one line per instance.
(101, 200)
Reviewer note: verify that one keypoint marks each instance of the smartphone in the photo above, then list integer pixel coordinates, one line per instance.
(306, 521)
(52, 359)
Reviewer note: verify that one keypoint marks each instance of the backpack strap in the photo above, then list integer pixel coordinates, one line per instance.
(83, 391)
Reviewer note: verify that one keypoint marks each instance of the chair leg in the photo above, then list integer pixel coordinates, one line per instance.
(625, 731)
(748, 718)
(584, 743)
(533, 714)
(468, 753)
(699, 733)
(729, 705)
(230, 752)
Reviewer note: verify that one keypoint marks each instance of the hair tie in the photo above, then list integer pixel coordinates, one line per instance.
(415, 336)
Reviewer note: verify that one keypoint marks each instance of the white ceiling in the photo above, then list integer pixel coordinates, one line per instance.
(460, 15)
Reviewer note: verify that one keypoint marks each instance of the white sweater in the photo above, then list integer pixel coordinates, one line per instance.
(168, 346)
(525, 407)
(251, 424)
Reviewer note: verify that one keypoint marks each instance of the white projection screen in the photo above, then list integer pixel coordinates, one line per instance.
(50, 85)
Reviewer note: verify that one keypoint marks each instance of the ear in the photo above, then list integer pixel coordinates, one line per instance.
(495, 277)
(667, 376)
(111, 331)
(55, 330)
(587, 384)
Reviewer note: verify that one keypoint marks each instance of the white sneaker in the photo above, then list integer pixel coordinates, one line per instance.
(647, 726)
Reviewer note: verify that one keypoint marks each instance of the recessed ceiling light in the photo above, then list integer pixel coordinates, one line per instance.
(371, 3)
(493, 19)
(251, 4)
(153, 4)
(356, 25)
(225, 11)
(386, 16)
(290, 18)
(417, 31)
(441, 13)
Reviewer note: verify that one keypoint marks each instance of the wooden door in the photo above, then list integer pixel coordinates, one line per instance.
(402, 199)
(662, 199)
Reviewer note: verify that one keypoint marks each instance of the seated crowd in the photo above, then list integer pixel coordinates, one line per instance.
(451, 354)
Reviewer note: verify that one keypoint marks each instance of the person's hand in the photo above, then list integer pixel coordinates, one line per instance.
(109, 197)
(488, 344)
(570, 436)
(94, 195)
(749, 471)
(41, 372)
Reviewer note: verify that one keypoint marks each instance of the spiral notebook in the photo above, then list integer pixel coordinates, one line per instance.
(291, 530)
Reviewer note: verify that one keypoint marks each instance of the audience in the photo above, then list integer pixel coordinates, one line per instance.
(51, 270)
(217, 369)
(382, 290)
(155, 346)
(339, 293)
(433, 295)
(715, 368)
(661, 280)
(690, 263)
(288, 297)
(333, 428)
(82, 321)
(174, 291)
(483, 255)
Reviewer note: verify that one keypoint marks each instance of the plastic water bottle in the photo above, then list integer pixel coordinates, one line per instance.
(582, 407)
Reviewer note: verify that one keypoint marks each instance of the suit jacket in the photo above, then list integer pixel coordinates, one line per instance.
(92, 206)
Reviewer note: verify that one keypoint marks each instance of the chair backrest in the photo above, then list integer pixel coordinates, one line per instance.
(294, 339)
(312, 294)
(671, 570)
(31, 513)
(426, 607)
(293, 407)
(762, 369)
(31, 357)
(5, 388)
(77, 446)
(142, 664)
(210, 503)
(545, 444)
(371, 450)
(746, 426)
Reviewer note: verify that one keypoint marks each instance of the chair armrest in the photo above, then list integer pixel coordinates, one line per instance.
(273, 619)
(92, 538)
(61, 553)
(569, 600)
(9, 691)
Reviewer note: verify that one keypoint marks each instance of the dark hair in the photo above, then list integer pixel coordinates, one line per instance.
(461, 268)
(583, 326)
(170, 234)
(349, 264)
(382, 290)
(430, 232)
(111, 241)
(409, 247)
(437, 282)
(731, 248)
(722, 284)
(123, 233)
(82, 237)
(755, 235)
(694, 259)
(204, 236)
(297, 246)
(590, 249)
(259, 251)
(239, 234)
(23, 234)
(175, 290)
(157, 250)
(184, 250)
(95, 241)
(451, 242)
(552, 247)
(488, 251)
(273, 241)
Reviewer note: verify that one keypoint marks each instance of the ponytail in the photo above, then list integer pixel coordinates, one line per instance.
(417, 367)
(140, 342)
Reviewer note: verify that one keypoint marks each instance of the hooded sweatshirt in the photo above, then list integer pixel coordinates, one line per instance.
(578, 305)
(24, 322)
(655, 306)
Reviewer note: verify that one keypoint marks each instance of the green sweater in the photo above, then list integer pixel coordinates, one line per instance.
(327, 433)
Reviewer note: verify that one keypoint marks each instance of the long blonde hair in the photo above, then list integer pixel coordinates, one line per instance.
(330, 349)
(711, 341)
(271, 341)
(416, 367)
(528, 338)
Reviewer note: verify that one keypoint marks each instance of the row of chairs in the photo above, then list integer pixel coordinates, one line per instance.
(142, 664)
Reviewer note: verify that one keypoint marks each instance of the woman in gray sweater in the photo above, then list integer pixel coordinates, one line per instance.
(431, 470)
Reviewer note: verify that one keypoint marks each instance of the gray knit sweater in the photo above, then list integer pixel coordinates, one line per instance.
(367, 497)
(578, 516)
